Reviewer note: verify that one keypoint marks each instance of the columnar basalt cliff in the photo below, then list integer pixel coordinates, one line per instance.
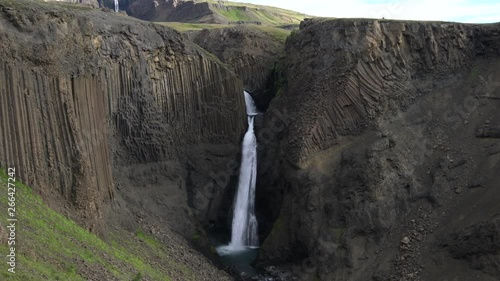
(373, 65)
(378, 159)
(91, 102)
(381, 151)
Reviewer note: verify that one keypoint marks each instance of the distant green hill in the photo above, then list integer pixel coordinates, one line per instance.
(266, 15)
(209, 12)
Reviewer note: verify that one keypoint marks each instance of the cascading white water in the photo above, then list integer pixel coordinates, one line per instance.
(244, 227)
(117, 6)
(250, 105)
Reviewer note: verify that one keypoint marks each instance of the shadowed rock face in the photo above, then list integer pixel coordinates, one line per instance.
(252, 53)
(384, 135)
(91, 101)
(478, 244)
(367, 68)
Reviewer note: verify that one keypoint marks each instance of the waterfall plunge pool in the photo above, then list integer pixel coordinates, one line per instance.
(237, 260)
(240, 260)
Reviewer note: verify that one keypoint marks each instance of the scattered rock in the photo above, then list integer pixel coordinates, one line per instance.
(475, 184)
(488, 132)
(456, 164)
(406, 241)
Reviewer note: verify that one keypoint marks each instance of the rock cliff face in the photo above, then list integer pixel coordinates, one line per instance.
(181, 11)
(377, 140)
(252, 53)
(378, 159)
(92, 102)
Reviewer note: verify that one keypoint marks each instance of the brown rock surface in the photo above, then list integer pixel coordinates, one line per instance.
(380, 144)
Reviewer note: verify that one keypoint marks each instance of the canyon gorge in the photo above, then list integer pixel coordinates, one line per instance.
(373, 148)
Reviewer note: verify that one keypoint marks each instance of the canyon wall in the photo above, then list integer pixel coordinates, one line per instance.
(253, 54)
(92, 102)
(372, 158)
(378, 159)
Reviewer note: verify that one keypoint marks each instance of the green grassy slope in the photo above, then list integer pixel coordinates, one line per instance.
(231, 12)
(187, 26)
(273, 21)
(52, 247)
(265, 14)
(276, 32)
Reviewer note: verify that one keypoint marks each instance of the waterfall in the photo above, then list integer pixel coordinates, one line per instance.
(250, 106)
(244, 226)
(117, 7)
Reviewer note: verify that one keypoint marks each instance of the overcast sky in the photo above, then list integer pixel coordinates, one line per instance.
(473, 11)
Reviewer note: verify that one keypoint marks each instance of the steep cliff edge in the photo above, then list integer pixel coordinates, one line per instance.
(109, 118)
(381, 161)
(253, 53)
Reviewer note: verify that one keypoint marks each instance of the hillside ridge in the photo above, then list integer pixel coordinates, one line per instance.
(209, 12)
